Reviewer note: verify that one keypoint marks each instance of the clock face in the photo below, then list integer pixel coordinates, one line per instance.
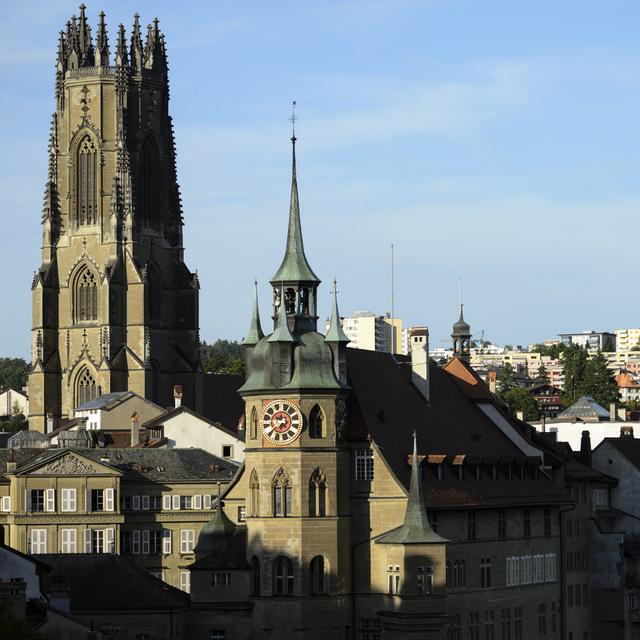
(281, 422)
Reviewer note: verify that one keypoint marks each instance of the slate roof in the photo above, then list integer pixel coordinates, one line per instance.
(586, 409)
(628, 446)
(106, 401)
(157, 465)
(232, 556)
(386, 405)
(121, 585)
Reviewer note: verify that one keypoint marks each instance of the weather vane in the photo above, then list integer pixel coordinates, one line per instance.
(293, 118)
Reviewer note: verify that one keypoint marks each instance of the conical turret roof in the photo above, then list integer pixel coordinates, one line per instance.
(255, 329)
(335, 332)
(215, 533)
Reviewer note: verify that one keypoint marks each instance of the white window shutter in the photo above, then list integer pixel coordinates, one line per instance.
(108, 499)
(166, 502)
(50, 497)
(6, 503)
(135, 503)
(207, 502)
(166, 541)
(145, 503)
(110, 541)
(197, 502)
(73, 499)
(87, 501)
(27, 500)
(145, 541)
(87, 540)
(176, 502)
(135, 541)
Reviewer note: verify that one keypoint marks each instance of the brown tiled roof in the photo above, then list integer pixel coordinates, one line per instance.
(386, 406)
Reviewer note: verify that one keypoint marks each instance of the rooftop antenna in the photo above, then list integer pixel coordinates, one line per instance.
(459, 291)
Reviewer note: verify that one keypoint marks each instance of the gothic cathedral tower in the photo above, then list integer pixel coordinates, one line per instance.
(296, 471)
(114, 306)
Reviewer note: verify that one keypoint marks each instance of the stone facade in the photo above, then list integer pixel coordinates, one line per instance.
(114, 306)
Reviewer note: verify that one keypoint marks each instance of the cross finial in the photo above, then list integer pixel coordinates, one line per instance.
(335, 287)
(293, 119)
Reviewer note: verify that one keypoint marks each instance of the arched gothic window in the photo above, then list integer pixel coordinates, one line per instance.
(282, 576)
(281, 494)
(86, 296)
(253, 423)
(86, 387)
(317, 578)
(151, 184)
(153, 295)
(87, 182)
(255, 576)
(317, 494)
(254, 486)
(316, 422)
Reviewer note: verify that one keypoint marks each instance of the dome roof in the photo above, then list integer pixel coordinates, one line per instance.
(313, 363)
(461, 327)
(214, 534)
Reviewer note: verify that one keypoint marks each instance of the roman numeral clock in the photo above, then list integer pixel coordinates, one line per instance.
(281, 422)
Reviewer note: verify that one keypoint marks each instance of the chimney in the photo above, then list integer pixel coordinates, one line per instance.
(49, 422)
(543, 423)
(12, 465)
(135, 429)
(626, 432)
(585, 448)
(492, 376)
(419, 341)
(177, 396)
(613, 412)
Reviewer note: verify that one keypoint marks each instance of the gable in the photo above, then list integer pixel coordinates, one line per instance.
(68, 464)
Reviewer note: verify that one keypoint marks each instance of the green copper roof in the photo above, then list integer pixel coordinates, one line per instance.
(335, 332)
(312, 364)
(255, 330)
(282, 333)
(416, 528)
(214, 534)
(461, 328)
(294, 267)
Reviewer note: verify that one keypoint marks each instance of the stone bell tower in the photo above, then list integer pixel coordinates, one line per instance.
(114, 305)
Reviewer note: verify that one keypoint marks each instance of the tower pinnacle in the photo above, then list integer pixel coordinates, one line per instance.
(255, 330)
(335, 332)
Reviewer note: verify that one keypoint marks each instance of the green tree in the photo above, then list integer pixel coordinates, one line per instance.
(574, 365)
(542, 375)
(506, 379)
(14, 628)
(15, 423)
(551, 350)
(519, 399)
(13, 373)
(223, 356)
(599, 383)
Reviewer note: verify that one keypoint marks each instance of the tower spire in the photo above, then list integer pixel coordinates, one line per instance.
(416, 528)
(461, 333)
(294, 267)
(137, 54)
(84, 39)
(255, 330)
(122, 59)
(335, 332)
(102, 43)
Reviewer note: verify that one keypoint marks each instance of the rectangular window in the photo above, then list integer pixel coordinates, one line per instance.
(68, 539)
(125, 541)
(185, 581)
(517, 624)
(474, 626)
(125, 503)
(425, 580)
(146, 543)
(166, 541)
(69, 500)
(197, 502)
(527, 523)
(135, 503)
(485, 573)
(38, 541)
(186, 540)
(6, 503)
(50, 499)
(185, 502)
(156, 503)
(155, 541)
(542, 619)
(364, 464)
(221, 579)
(547, 522)
(37, 500)
(97, 500)
(97, 541)
(570, 595)
(206, 502)
(227, 451)
(166, 502)
(176, 502)
(505, 624)
(369, 629)
(502, 524)
(489, 626)
(471, 525)
(135, 541)
(242, 514)
(145, 503)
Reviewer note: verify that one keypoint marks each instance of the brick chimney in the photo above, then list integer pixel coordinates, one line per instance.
(12, 465)
(135, 429)
(177, 396)
(626, 431)
(613, 412)
(585, 448)
(419, 345)
(492, 377)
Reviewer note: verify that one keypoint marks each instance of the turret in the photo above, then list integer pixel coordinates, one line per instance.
(102, 43)
(337, 339)
(255, 333)
(122, 59)
(461, 336)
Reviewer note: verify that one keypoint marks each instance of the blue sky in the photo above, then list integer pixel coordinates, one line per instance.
(493, 140)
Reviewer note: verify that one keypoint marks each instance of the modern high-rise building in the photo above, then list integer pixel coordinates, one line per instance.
(114, 305)
(366, 330)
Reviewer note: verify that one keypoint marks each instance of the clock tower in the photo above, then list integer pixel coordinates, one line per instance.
(296, 473)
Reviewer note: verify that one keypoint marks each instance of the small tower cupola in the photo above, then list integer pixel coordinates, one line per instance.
(295, 277)
(461, 336)
(337, 339)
